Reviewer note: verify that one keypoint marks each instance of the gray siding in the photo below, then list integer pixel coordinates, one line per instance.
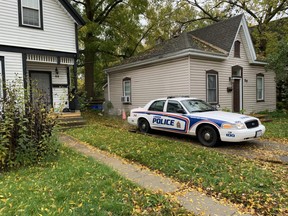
(58, 33)
(198, 70)
(159, 80)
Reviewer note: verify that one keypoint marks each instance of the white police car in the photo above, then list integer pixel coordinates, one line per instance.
(195, 117)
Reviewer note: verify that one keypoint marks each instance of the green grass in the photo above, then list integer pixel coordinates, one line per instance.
(260, 187)
(77, 185)
(278, 128)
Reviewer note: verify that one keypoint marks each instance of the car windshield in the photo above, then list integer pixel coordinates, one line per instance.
(197, 106)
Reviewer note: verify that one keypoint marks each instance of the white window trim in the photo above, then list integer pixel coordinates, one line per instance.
(124, 88)
(216, 89)
(1, 81)
(39, 15)
(262, 81)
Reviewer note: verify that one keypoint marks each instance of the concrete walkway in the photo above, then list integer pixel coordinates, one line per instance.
(192, 200)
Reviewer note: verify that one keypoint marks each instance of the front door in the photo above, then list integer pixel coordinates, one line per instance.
(237, 95)
(41, 85)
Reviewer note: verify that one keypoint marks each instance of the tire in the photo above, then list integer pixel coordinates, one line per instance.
(207, 135)
(144, 126)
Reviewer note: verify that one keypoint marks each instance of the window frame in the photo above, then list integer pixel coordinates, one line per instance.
(260, 75)
(212, 73)
(21, 14)
(237, 50)
(126, 80)
(164, 102)
(174, 101)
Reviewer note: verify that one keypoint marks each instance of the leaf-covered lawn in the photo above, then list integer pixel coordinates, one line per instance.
(77, 185)
(277, 130)
(259, 187)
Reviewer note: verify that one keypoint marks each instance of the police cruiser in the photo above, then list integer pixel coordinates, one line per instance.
(195, 117)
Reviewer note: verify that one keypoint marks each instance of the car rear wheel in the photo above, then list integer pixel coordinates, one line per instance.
(143, 126)
(207, 135)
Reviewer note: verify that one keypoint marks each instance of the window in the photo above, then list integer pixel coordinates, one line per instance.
(260, 87)
(126, 90)
(212, 87)
(174, 107)
(237, 49)
(30, 13)
(157, 106)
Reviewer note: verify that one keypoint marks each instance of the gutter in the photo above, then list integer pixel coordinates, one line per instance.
(182, 53)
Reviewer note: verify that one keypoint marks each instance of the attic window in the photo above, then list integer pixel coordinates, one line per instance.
(30, 13)
(237, 49)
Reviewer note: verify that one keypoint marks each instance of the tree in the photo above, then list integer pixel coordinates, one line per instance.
(111, 33)
(278, 62)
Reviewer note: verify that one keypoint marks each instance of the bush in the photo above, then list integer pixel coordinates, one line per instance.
(25, 128)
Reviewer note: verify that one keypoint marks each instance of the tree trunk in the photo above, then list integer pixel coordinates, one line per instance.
(89, 72)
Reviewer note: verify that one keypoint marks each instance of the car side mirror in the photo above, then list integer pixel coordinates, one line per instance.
(181, 111)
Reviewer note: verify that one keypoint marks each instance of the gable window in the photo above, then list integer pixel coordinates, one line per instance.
(237, 49)
(212, 87)
(30, 13)
(260, 87)
(126, 90)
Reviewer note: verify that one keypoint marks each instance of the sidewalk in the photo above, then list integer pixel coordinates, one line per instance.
(192, 200)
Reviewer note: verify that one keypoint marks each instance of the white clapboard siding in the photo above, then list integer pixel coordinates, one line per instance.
(58, 33)
(62, 70)
(60, 94)
(147, 83)
(13, 66)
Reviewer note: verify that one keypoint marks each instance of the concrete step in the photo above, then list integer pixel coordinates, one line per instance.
(70, 123)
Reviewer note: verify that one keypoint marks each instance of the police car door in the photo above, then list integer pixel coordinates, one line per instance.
(175, 121)
(155, 112)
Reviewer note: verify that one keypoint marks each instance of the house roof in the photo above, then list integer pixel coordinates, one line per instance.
(76, 16)
(214, 41)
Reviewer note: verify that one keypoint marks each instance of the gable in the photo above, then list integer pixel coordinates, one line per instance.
(58, 32)
(72, 12)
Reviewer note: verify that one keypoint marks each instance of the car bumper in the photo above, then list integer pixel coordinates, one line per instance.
(227, 135)
(132, 120)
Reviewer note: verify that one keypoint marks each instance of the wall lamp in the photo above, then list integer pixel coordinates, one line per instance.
(56, 72)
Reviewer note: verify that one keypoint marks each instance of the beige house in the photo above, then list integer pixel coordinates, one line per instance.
(217, 63)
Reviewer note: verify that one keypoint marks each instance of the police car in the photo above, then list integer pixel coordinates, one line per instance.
(195, 117)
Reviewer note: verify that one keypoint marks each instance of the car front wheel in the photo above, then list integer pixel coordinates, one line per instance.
(207, 135)
(144, 126)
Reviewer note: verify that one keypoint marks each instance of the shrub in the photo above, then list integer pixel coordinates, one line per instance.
(25, 128)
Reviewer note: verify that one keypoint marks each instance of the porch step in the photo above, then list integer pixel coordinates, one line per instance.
(70, 120)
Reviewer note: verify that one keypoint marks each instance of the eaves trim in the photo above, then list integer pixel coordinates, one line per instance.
(182, 53)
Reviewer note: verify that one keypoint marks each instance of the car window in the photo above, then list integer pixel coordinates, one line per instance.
(157, 106)
(197, 106)
(174, 106)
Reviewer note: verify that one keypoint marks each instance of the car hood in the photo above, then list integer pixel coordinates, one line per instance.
(223, 116)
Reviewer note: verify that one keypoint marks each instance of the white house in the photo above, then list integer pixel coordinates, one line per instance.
(217, 63)
(38, 42)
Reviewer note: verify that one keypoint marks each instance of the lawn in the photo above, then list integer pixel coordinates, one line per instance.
(277, 130)
(77, 185)
(259, 187)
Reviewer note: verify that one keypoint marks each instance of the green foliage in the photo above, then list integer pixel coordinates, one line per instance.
(258, 187)
(77, 185)
(25, 128)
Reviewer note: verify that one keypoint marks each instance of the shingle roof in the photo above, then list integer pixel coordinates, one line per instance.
(221, 34)
(215, 39)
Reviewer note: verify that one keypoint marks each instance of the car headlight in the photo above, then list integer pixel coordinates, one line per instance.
(237, 125)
